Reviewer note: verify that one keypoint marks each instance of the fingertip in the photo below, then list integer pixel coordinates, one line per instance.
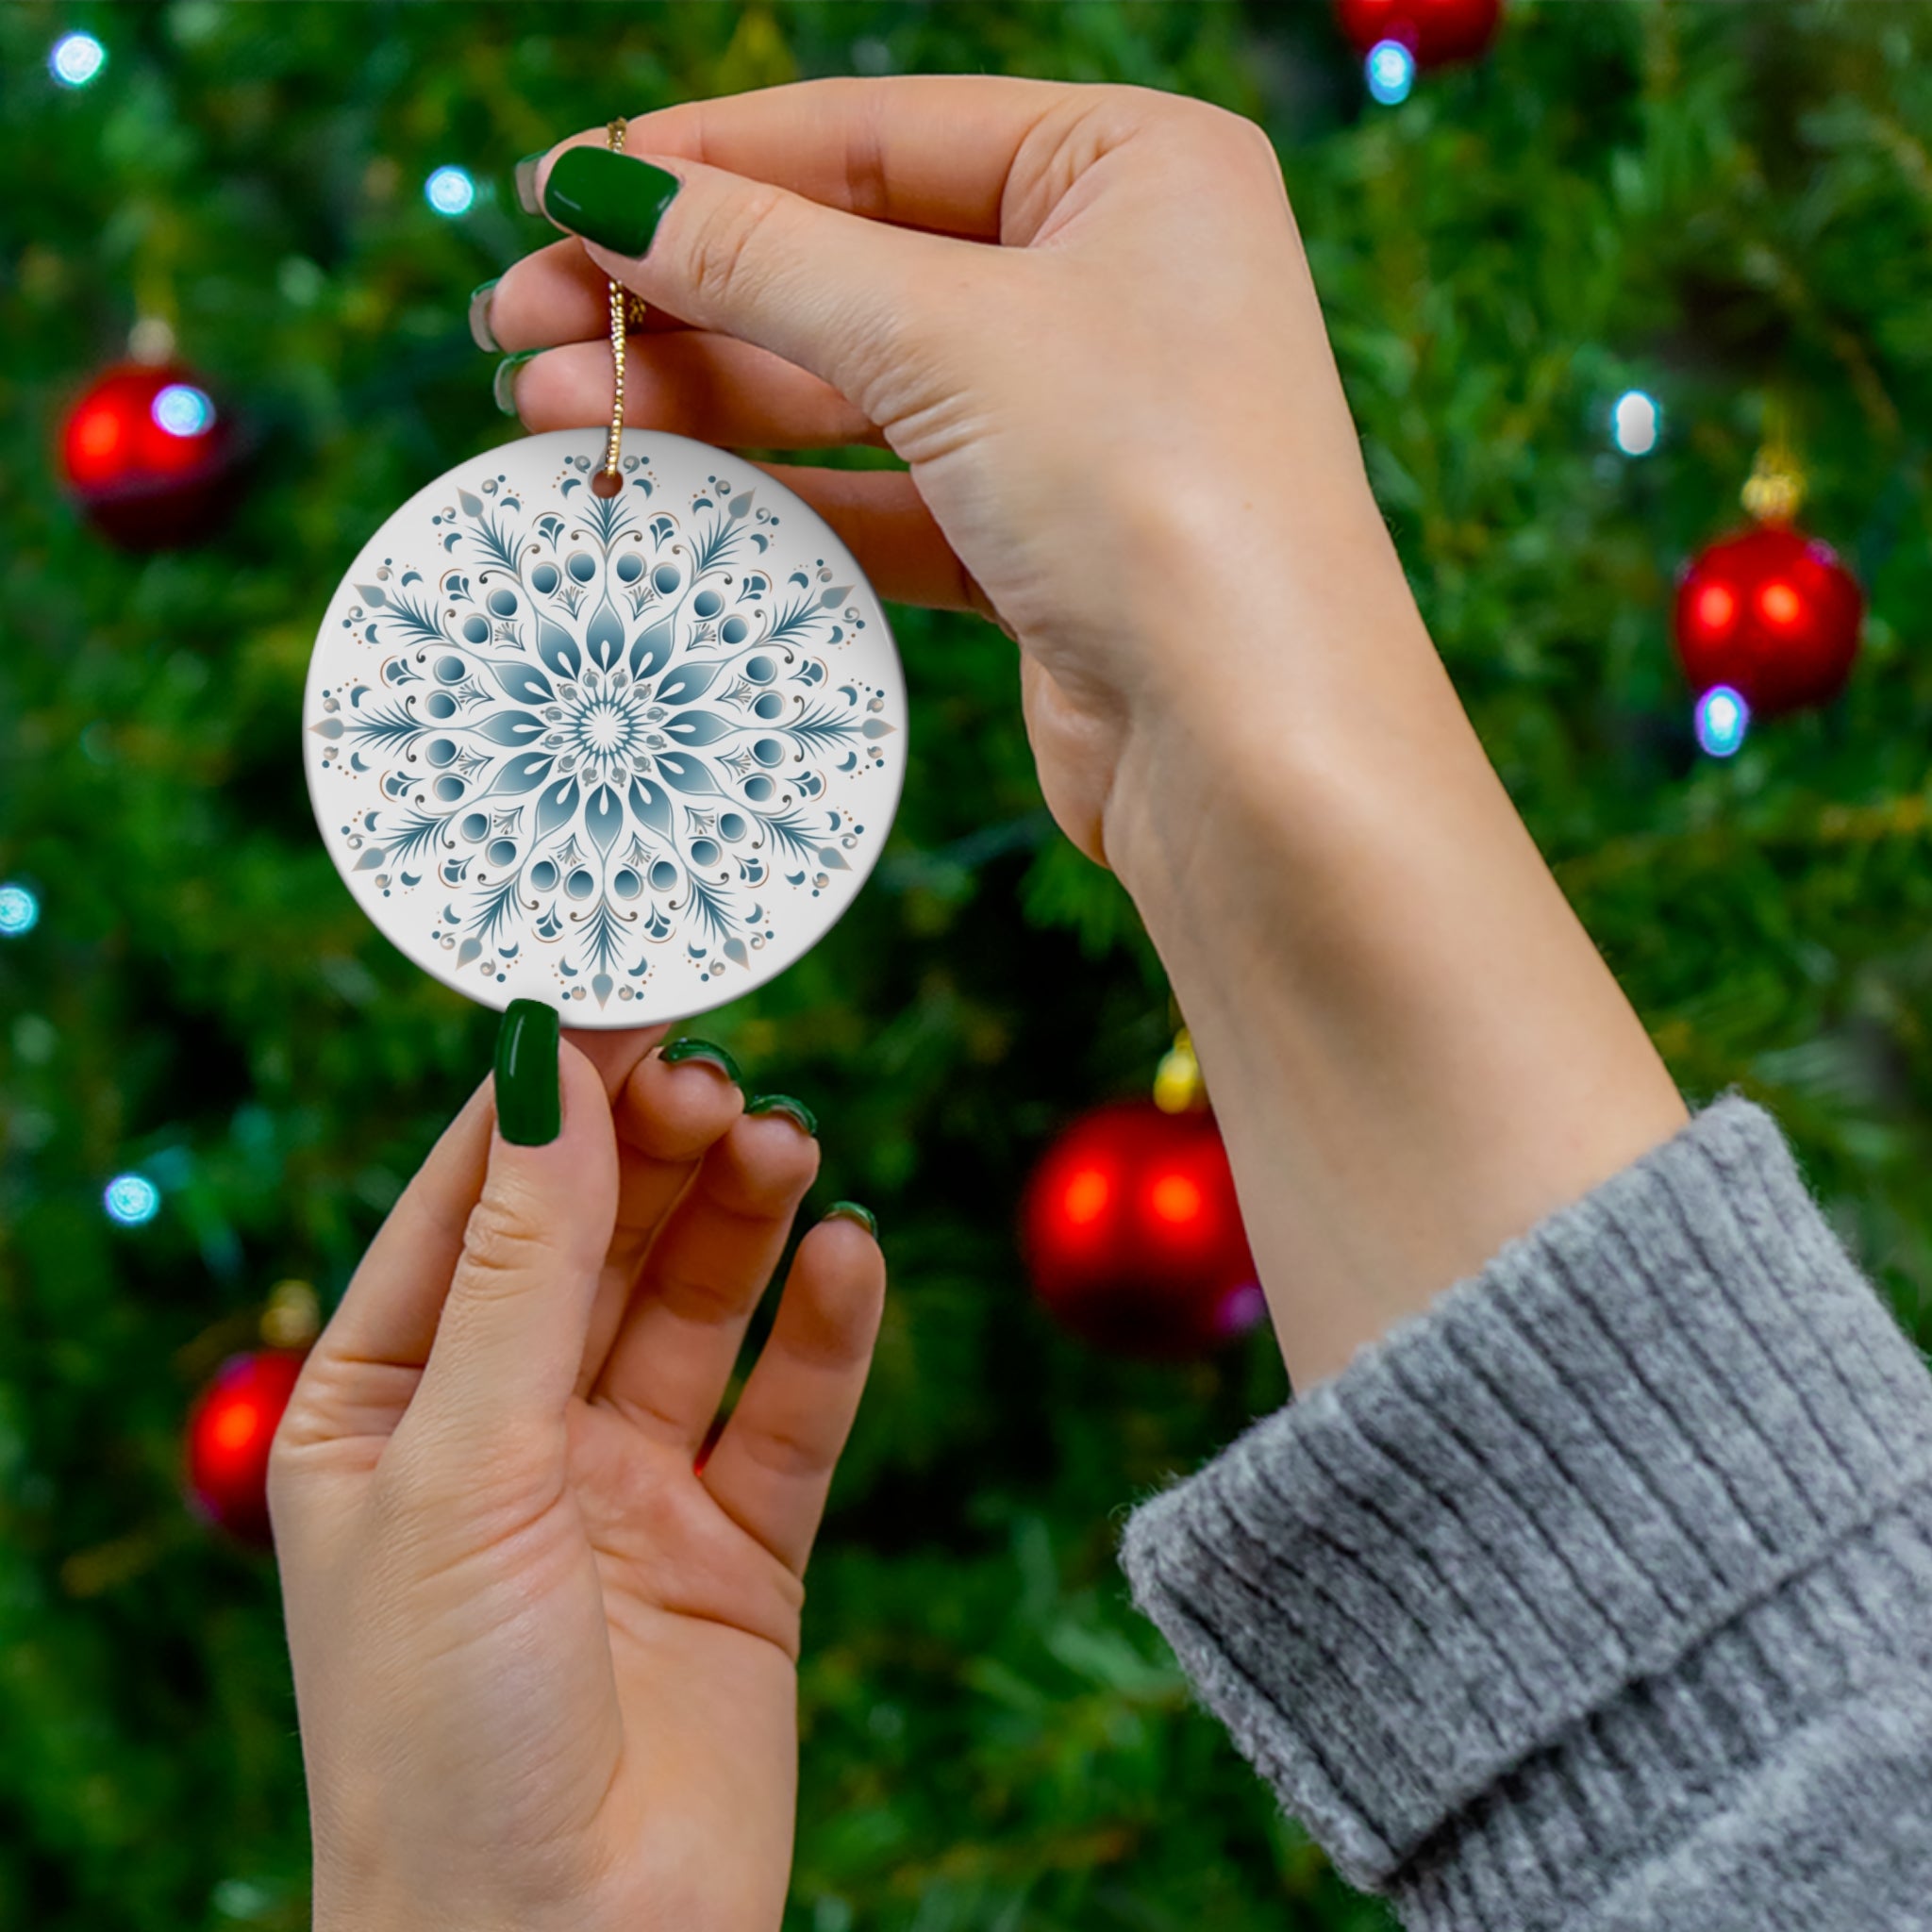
(674, 1109)
(837, 1292)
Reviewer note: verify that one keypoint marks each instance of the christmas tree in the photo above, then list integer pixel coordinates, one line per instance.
(1721, 212)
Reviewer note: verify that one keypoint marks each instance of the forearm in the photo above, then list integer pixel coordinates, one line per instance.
(1413, 1048)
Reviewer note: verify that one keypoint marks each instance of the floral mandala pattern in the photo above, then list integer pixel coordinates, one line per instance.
(632, 755)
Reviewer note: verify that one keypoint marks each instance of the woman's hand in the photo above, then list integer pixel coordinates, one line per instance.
(1083, 317)
(1125, 399)
(544, 1665)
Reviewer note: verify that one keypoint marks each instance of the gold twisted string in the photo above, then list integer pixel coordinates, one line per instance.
(628, 311)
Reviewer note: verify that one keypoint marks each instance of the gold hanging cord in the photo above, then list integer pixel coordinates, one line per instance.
(628, 311)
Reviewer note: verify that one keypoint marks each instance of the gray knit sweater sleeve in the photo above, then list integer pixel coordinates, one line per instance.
(1600, 1596)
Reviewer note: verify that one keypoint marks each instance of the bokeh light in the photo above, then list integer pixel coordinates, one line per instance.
(182, 409)
(1391, 72)
(1636, 423)
(450, 191)
(131, 1199)
(1722, 719)
(20, 912)
(77, 59)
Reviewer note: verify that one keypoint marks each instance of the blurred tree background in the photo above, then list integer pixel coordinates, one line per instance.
(1721, 205)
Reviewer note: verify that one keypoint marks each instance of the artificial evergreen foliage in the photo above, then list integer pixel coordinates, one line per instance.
(1716, 204)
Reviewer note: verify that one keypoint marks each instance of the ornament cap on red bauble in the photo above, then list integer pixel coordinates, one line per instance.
(1133, 1235)
(1435, 31)
(230, 1433)
(150, 456)
(1773, 614)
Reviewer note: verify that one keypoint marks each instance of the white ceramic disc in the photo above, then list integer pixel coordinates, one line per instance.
(630, 756)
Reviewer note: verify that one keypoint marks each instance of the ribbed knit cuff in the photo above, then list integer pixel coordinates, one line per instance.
(1512, 1572)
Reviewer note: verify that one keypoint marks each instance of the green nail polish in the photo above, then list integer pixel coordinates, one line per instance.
(503, 385)
(850, 1210)
(480, 331)
(525, 178)
(711, 1055)
(530, 1100)
(608, 198)
(794, 1110)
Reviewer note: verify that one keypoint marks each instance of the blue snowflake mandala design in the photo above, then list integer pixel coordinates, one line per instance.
(598, 733)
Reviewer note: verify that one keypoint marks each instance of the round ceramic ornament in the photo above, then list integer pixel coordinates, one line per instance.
(630, 754)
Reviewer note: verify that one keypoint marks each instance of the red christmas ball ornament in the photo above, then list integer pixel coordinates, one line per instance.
(1771, 613)
(229, 1431)
(1434, 31)
(149, 457)
(1133, 1235)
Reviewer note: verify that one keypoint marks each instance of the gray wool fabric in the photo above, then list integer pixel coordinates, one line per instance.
(1599, 1596)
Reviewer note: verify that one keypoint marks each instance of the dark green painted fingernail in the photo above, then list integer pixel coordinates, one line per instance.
(526, 177)
(503, 385)
(850, 1210)
(704, 1050)
(608, 198)
(794, 1110)
(529, 1099)
(480, 331)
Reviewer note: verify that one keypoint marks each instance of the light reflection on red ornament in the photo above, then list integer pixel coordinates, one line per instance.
(230, 1431)
(1133, 1235)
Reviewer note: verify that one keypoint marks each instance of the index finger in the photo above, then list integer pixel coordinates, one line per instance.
(917, 150)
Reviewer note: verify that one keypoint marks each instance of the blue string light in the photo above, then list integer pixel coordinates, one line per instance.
(1391, 72)
(1636, 423)
(77, 59)
(20, 912)
(1722, 719)
(450, 191)
(131, 1199)
(182, 409)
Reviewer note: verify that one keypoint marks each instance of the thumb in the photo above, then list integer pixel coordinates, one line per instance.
(851, 300)
(510, 1339)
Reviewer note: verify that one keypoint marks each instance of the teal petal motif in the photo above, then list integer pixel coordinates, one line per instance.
(604, 637)
(557, 807)
(512, 728)
(604, 817)
(699, 727)
(524, 682)
(558, 649)
(522, 774)
(651, 649)
(686, 773)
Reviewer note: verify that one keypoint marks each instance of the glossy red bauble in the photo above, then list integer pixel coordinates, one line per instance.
(1435, 31)
(1773, 614)
(229, 1431)
(149, 457)
(1133, 1235)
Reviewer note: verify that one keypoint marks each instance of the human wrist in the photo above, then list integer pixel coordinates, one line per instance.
(1414, 1050)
